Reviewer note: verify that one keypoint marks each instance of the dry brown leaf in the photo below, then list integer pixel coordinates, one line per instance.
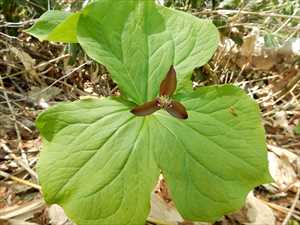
(249, 43)
(27, 61)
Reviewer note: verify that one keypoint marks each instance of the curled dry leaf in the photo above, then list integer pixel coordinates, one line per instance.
(164, 212)
(281, 171)
(57, 216)
(27, 61)
(249, 46)
(258, 213)
(282, 122)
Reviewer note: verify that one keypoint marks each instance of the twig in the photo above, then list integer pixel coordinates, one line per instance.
(12, 112)
(51, 61)
(281, 209)
(9, 37)
(37, 66)
(291, 85)
(35, 4)
(66, 84)
(286, 22)
(20, 162)
(65, 76)
(25, 182)
(13, 212)
(157, 222)
(24, 161)
(17, 24)
(290, 213)
(228, 12)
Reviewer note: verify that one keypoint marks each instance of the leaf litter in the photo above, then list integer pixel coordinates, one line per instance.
(269, 75)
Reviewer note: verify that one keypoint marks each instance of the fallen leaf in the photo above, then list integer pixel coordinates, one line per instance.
(27, 61)
(281, 170)
(258, 213)
(164, 212)
(57, 216)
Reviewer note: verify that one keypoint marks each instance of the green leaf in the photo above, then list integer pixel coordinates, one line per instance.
(96, 162)
(56, 26)
(100, 162)
(195, 41)
(142, 41)
(213, 159)
(135, 46)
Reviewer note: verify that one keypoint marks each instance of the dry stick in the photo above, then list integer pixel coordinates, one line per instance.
(241, 72)
(283, 93)
(51, 61)
(289, 87)
(286, 22)
(65, 76)
(17, 24)
(10, 37)
(24, 126)
(38, 66)
(263, 14)
(281, 209)
(290, 213)
(157, 222)
(12, 112)
(255, 80)
(23, 155)
(66, 84)
(20, 162)
(14, 178)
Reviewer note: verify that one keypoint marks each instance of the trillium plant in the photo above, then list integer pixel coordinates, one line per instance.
(101, 158)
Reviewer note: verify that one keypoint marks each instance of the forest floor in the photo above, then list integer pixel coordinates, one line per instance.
(35, 75)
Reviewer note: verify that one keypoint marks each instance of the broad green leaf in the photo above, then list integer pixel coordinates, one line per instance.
(213, 159)
(100, 162)
(142, 41)
(135, 45)
(97, 162)
(56, 26)
(195, 41)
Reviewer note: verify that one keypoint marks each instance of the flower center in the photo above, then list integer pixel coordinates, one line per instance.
(164, 101)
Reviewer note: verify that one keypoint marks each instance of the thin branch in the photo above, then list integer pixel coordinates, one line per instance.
(17, 24)
(65, 76)
(20, 162)
(19, 180)
(228, 12)
(290, 213)
(286, 22)
(12, 112)
(37, 66)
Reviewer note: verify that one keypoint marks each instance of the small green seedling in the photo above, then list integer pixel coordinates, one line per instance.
(101, 158)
